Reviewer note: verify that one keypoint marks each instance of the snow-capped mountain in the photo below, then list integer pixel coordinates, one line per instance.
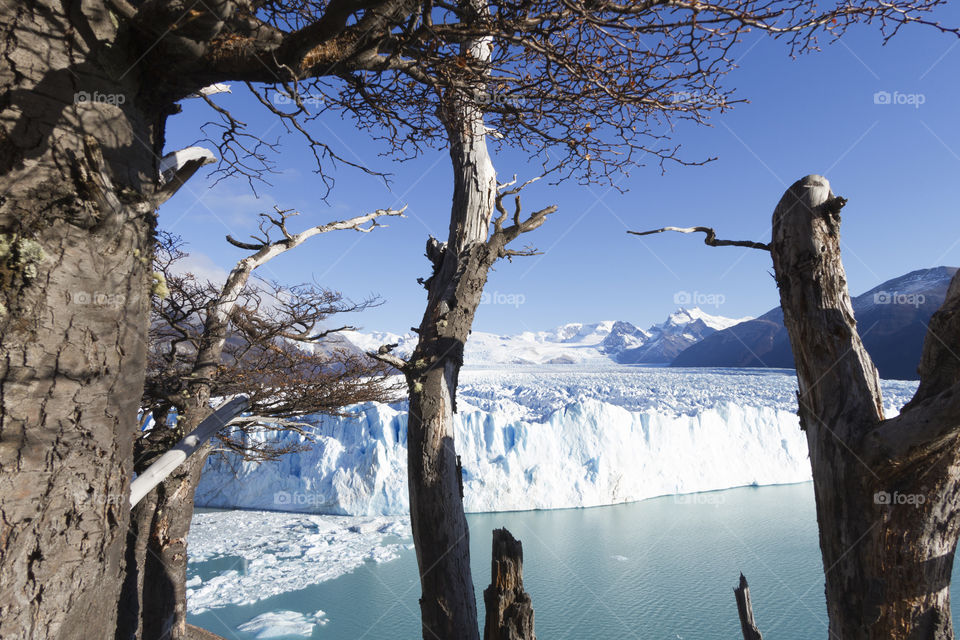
(573, 343)
(892, 319)
(682, 329)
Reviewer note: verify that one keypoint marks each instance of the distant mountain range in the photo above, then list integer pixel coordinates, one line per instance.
(574, 343)
(892, 320)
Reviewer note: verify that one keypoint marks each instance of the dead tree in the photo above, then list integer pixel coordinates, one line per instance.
(886, 488)
(244, 337)
(509, 607)
(745, 611)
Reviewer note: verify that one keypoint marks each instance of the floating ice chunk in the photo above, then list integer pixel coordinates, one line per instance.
(279, 624)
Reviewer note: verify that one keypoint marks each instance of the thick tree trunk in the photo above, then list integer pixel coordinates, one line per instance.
(886, 491)
(509, 607)
(77, 173)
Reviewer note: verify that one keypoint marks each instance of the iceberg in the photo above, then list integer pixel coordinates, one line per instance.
(547, 437)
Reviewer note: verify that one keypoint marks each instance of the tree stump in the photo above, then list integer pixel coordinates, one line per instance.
(509, 607)
(745, 610)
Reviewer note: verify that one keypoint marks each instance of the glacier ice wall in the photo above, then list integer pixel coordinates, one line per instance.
(570, 438)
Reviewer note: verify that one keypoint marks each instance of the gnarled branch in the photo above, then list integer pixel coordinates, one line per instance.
(710, 239)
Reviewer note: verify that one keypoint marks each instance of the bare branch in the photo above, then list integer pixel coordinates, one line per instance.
(710, 239)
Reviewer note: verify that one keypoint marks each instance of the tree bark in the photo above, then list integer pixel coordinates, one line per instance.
(745, 611)
(77, 176)
(441, 537)
(509, 607)
(886, 490)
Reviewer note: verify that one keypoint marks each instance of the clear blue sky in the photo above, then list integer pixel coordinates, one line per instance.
(898, 164)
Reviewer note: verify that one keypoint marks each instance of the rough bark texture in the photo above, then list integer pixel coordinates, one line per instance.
(886, 490)
(130, 607)
(509, 607)
(76, 178)
(439, 526)
(745, 611)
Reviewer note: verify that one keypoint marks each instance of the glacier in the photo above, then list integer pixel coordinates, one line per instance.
(547, 437)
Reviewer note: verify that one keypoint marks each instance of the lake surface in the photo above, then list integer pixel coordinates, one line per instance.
(659, 569)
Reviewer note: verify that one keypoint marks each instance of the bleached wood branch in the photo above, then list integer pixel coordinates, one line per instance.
(710, 239)
(176, 456)
(178, 167)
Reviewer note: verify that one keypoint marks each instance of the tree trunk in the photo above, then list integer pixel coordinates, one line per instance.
(130, 608)
(886, 490)
(164, 589)
(163, 596)
(436, 505)
(509, 608)
(77, 173)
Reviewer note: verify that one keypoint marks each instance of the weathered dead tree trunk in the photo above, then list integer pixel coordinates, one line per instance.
(509, 607)
(460, 267)
(745, 611)
(886, 490)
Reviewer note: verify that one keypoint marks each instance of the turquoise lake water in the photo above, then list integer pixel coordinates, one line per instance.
(659, 569)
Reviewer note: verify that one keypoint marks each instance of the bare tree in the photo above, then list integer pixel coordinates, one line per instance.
(88, 88)
(886, 488)
(207, 341)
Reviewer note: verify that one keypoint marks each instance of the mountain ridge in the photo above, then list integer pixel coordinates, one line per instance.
(891, 317)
